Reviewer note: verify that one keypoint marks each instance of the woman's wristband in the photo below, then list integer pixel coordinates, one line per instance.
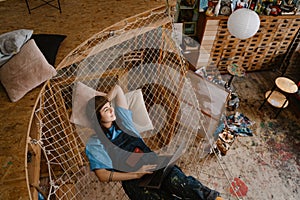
(110, 176)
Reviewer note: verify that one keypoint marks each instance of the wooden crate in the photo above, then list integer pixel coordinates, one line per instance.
(259, 52)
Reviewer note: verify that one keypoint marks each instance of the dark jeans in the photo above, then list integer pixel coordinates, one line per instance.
(175, 186)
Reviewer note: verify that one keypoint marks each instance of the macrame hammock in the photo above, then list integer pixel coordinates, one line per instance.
(137, 53)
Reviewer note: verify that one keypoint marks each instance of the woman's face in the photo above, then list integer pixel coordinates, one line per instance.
(107, 113)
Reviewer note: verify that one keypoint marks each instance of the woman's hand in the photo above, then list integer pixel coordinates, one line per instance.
(145, 169)
(117, 93)
(106, 175)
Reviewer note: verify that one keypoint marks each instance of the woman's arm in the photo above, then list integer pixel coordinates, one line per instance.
(107, 176)
(117, 93)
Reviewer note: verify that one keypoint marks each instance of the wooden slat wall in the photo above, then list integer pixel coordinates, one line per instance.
(209, 36)
(256, 53)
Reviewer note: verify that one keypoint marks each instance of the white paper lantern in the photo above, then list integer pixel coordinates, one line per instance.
(243, 23)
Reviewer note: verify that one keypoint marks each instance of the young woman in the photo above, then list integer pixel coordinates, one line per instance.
(113, 145)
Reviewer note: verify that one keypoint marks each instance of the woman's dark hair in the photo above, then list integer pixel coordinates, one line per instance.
(93, 108)
(94, 105)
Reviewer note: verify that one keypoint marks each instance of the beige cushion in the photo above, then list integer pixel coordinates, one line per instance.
(83, 93)
(25, 71)
(140, 116)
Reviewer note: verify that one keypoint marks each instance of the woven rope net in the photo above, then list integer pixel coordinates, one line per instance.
(137, 53)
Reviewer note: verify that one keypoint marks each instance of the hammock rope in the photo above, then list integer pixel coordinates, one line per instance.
(137, 53)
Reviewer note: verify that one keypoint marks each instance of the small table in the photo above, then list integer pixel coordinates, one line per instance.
(44, 2)
(279, 99)
(234, 70)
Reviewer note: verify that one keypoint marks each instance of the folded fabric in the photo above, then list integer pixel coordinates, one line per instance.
(11, 43)
(239, 124)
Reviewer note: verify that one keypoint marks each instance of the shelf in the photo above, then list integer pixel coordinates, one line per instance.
(263, 51)
(260, 16)
(186, 8)
(186, 5)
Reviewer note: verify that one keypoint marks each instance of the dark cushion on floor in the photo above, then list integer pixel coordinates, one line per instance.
(49, 45)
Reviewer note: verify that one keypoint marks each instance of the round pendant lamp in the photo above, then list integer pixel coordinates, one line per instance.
(243, 23)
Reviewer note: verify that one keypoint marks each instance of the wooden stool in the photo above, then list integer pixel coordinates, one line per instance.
(279, 99)
(286, 85)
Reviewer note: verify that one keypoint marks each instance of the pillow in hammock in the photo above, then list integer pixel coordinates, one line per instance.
(135, 100)
(25, 71)
(81, 95)
(11, 43)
